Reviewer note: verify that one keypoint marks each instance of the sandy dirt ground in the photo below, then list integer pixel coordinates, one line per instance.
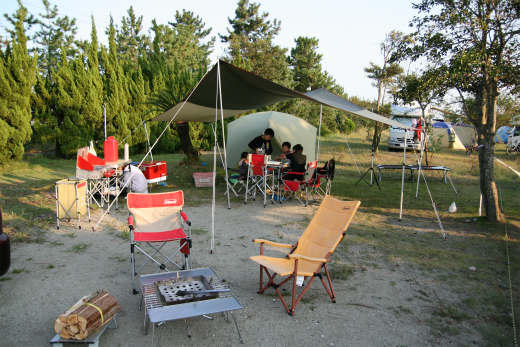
(376, 306)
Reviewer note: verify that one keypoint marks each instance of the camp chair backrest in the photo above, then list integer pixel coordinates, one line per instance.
(257, 163)
(156, 212)
(326, 229)
(309, 172)
(331, 169)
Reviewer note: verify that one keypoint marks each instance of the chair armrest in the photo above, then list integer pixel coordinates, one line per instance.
(295, 173)
(302, 257)
(131, 222)
(185, 217)
(283, 245)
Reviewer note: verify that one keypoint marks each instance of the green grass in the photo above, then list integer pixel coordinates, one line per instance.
(78, 247)
(18, 271)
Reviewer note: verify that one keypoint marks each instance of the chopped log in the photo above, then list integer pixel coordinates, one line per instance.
(64, 334)
(107, 317)
(72, 317)
(90, 314)
(69, 330)
(59, 324)
(63, 316)
(74, 328)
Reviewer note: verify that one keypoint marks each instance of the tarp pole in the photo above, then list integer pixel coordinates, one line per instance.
(319, 135)
(218, 147)
(224, 136)
(402, 180)
(422, 141)
(148, 139)
(215, 163)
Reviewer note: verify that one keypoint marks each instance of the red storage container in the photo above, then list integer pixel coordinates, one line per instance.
(154, 171)
(111, 154)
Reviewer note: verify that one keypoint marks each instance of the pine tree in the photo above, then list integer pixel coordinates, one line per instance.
(17, 77)
(55, 34)
(130, 42)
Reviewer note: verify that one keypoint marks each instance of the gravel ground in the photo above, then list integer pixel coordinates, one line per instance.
(374, 306)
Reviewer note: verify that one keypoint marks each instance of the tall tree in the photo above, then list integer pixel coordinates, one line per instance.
(476, 45)
(131, 43)
(305, 63)
(56, 33)
(383, 76)
(17, 77)
(189, 46)
(250, 41)
(249, 23)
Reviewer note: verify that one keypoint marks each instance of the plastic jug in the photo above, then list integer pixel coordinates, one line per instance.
(111, 154)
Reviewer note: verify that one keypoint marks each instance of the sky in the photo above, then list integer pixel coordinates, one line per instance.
(349, 32)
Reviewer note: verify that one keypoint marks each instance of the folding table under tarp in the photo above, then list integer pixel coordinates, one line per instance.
(157, 313)
(414, 167)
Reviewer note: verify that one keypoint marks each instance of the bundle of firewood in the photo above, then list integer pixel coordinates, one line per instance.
(91, 311)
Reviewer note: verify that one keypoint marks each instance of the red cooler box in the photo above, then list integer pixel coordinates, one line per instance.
(154, 171)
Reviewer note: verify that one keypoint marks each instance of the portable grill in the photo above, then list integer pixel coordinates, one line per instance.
(170, 288)
(162, 302)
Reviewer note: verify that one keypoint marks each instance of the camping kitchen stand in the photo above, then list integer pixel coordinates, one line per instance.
(187, 306)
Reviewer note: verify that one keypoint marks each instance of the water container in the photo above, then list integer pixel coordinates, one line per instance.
(5, 250)
(127, 152)
(111, 154)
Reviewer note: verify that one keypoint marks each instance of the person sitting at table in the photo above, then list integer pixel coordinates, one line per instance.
(286, 149)
(298, 161)
(262, 142)
(244, 165)
(137, 179)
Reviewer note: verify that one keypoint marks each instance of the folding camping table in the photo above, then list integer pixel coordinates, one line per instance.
(414, 167)
(156, 313)
(100, 184)
(278, 166)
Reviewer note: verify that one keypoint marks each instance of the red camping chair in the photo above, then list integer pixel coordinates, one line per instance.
(258, 176)
(158, 221)
(297, 187)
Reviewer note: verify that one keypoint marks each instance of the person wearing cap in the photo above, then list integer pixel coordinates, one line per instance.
(263, 142)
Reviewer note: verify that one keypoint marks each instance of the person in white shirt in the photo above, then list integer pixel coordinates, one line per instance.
(138, 182)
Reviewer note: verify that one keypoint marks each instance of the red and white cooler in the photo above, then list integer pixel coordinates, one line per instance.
(154, 171)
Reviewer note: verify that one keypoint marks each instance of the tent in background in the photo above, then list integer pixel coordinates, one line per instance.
(286, 128)
(502, 134)
(443, 130)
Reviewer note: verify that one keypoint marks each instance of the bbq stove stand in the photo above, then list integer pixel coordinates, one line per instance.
(157, 314)
(372, 174)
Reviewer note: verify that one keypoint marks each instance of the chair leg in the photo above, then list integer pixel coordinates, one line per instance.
(331, 292)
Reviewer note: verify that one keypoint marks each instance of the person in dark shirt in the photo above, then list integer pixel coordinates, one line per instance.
(298, 162)
(263, 142)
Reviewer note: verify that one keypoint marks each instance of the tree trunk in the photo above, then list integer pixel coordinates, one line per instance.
(183, 130)
(486, 118)
(376, 139)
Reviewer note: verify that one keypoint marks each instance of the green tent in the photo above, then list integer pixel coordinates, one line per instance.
(286, 128)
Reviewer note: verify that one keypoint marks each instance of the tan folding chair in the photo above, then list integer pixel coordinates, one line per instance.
(311, 253)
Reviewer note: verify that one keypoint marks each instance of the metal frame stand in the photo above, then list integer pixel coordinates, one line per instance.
(372, 174)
